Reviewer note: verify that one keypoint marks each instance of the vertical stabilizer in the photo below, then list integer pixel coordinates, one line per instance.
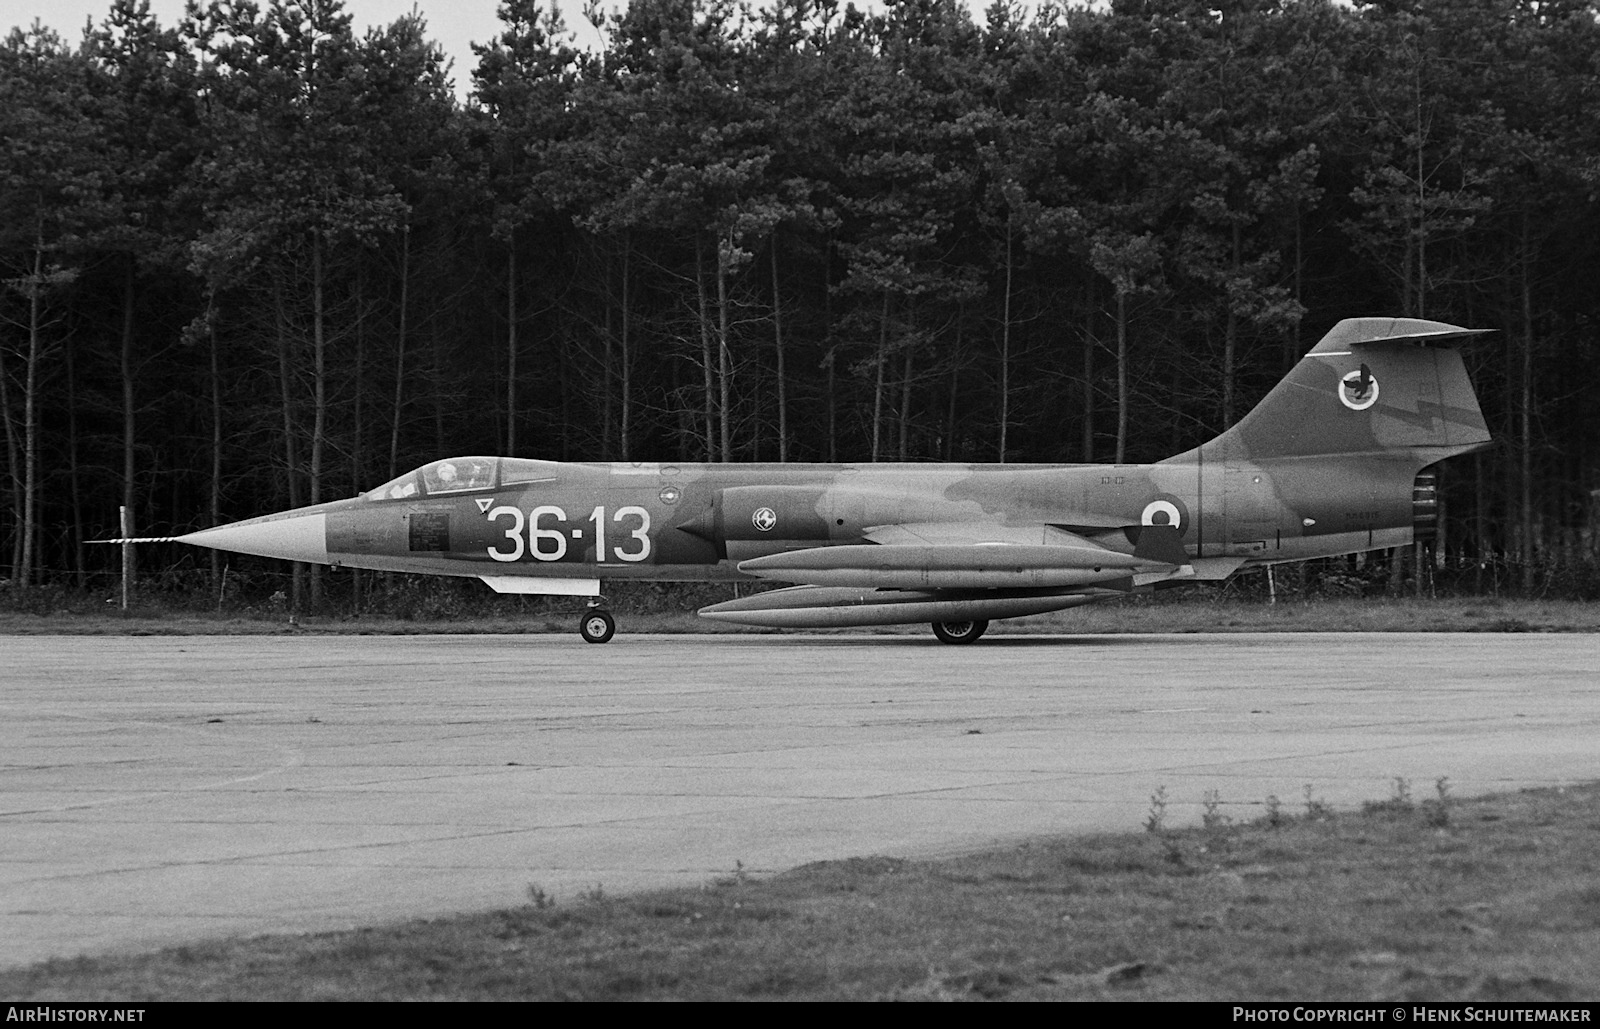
(1371, 386)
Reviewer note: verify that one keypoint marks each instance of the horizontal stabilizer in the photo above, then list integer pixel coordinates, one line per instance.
(1215, 569)
(1370, 332)
(1442, 336)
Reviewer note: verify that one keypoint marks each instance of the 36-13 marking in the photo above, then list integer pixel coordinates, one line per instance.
(529, 536)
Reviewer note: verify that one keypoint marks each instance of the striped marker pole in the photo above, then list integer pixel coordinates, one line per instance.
(127, 555)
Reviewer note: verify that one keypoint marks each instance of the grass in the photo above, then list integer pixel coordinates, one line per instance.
(1197, 613)
(1488, 899)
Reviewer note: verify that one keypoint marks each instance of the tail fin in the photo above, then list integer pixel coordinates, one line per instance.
(1371, 386)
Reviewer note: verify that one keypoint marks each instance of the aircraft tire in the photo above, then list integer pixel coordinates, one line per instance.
(960, 632)
(597, 626)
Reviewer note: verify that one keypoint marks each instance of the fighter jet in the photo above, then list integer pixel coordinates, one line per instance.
(1333, 461)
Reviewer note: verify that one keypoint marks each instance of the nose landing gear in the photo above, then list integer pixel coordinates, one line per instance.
(597, 625)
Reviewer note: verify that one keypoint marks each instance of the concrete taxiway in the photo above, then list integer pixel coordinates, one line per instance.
(155, 791)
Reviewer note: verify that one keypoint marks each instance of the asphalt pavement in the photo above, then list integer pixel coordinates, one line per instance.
(160, 790)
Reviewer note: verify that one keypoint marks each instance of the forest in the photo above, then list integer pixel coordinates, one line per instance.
(256, 260)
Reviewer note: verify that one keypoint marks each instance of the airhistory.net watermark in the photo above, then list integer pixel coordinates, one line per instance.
(71, 1013)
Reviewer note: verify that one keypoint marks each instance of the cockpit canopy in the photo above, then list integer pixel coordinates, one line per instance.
(461, 475)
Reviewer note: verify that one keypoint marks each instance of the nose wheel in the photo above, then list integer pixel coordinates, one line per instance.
(597, 625)
(959, 632)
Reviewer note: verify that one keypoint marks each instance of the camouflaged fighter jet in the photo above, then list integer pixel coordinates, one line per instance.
(1333, 461)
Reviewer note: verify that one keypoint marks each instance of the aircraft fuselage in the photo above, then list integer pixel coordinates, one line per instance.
(697, 522)
(1326, 464)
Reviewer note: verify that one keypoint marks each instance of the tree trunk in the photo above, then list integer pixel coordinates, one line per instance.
(1421, 136)
(1005, 350)
(777, 342)
(439, 393)
(511, 344)
(724, 371)
(79, 565)
(319, 387)
(13, 463)
(1088, 371)
(625, 357)
(291, 460)
(955, 384)
(607, 374)
(833, 408)
(1230, 342)
(1525, 452)
(1480, 521)
(1293, 348)
(564, 383)
(216, 439)
(705, 348)
(1122, 376)
(905, 405)
(831, 360)
(877, 390)
(357, 448)
(1438, 547)
(400, 353)
(30, 428)
(827, 329)
(129, 561)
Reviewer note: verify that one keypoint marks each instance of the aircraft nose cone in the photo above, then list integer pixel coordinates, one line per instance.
(293, 537)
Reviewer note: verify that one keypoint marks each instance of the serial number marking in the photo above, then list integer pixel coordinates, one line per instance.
(527, 535)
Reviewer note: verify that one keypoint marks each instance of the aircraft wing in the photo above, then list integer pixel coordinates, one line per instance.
(961, 555)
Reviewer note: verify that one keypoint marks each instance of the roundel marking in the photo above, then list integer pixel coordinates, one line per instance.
(669, 494)
(1161, 512)
(1166, 509)
(1358, 390)
(764, 519)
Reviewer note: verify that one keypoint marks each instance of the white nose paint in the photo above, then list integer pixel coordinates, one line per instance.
(295, 538)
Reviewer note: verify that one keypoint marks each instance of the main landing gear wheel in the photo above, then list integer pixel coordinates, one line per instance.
(959, 632)
(597, 625)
